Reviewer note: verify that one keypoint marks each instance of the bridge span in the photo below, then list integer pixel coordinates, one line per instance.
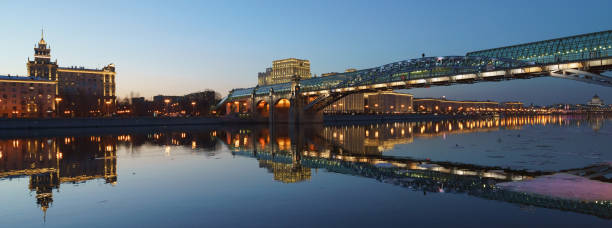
(581, 58)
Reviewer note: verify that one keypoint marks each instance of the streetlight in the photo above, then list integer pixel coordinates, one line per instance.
(107, 107)
(57, 101)
(193, 103)
(167, 101)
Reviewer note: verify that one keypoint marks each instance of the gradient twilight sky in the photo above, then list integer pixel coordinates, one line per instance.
(178, 47)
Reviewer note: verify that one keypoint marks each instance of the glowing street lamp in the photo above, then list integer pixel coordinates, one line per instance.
(108, 107)
(193, 104)
(167, 101)
(57, 101)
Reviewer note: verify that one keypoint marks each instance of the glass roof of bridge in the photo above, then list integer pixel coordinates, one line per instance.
(572, 48)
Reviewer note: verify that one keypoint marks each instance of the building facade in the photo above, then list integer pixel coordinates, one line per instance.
(388, 102)
(263, 78)
(27, 97)
(380, 102)
(83, 92)
(284, 70)
(87, 92)
(441, 105)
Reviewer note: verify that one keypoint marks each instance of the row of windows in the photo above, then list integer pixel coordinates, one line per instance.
(49, 96)
(24, 84)
(23, 107)
(27, 90)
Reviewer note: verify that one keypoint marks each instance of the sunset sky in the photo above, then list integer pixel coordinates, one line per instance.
(179, 47)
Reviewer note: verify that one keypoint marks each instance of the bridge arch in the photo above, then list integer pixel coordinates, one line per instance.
(262, 108)
(282, 103)
(281, 108)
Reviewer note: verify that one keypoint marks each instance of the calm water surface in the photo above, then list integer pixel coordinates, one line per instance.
(392, 174)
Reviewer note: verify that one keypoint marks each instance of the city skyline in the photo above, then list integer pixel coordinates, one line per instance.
(176, 49)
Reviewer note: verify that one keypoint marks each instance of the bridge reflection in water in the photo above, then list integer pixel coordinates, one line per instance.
(358, 150)
(290, 153)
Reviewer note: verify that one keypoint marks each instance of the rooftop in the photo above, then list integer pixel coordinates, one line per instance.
(80, 68)
(24, 78)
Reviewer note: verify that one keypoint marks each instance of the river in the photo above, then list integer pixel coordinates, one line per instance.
(427, 173)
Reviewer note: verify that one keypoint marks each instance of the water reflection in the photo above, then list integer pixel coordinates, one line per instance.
(357, 150)
(291, 154)
(50, 162)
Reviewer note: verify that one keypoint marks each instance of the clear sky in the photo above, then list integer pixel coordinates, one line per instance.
(178, 47)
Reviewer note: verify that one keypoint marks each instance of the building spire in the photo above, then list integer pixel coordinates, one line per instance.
(42, 36)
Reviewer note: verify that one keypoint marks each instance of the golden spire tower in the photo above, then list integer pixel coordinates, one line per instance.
(41, 66)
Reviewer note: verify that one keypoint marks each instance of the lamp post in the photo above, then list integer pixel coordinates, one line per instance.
(193, 104)
(57, 101)
(108, 107)
(167, 101)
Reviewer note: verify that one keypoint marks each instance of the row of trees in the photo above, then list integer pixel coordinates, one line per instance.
(193, 104)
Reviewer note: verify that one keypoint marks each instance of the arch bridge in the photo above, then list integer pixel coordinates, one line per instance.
(581, 58)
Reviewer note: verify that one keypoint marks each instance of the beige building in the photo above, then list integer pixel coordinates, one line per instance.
(84, 92)
(284, 70)
(27, 97)
(379, 102)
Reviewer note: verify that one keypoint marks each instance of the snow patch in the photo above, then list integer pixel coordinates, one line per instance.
(563, 185)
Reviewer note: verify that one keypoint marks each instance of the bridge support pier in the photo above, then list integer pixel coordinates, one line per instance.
(272, 111)
(297, 114)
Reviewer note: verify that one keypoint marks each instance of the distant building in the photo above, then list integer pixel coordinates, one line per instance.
(139, 106)
(596, 102)
(22, 97)
(284, 70)
(166, 105)
(379, 102)
(335, 73)
(263, 78)
(166, 99)
(388, 102)
(512, 105)
(441, 105)
(328, 74)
